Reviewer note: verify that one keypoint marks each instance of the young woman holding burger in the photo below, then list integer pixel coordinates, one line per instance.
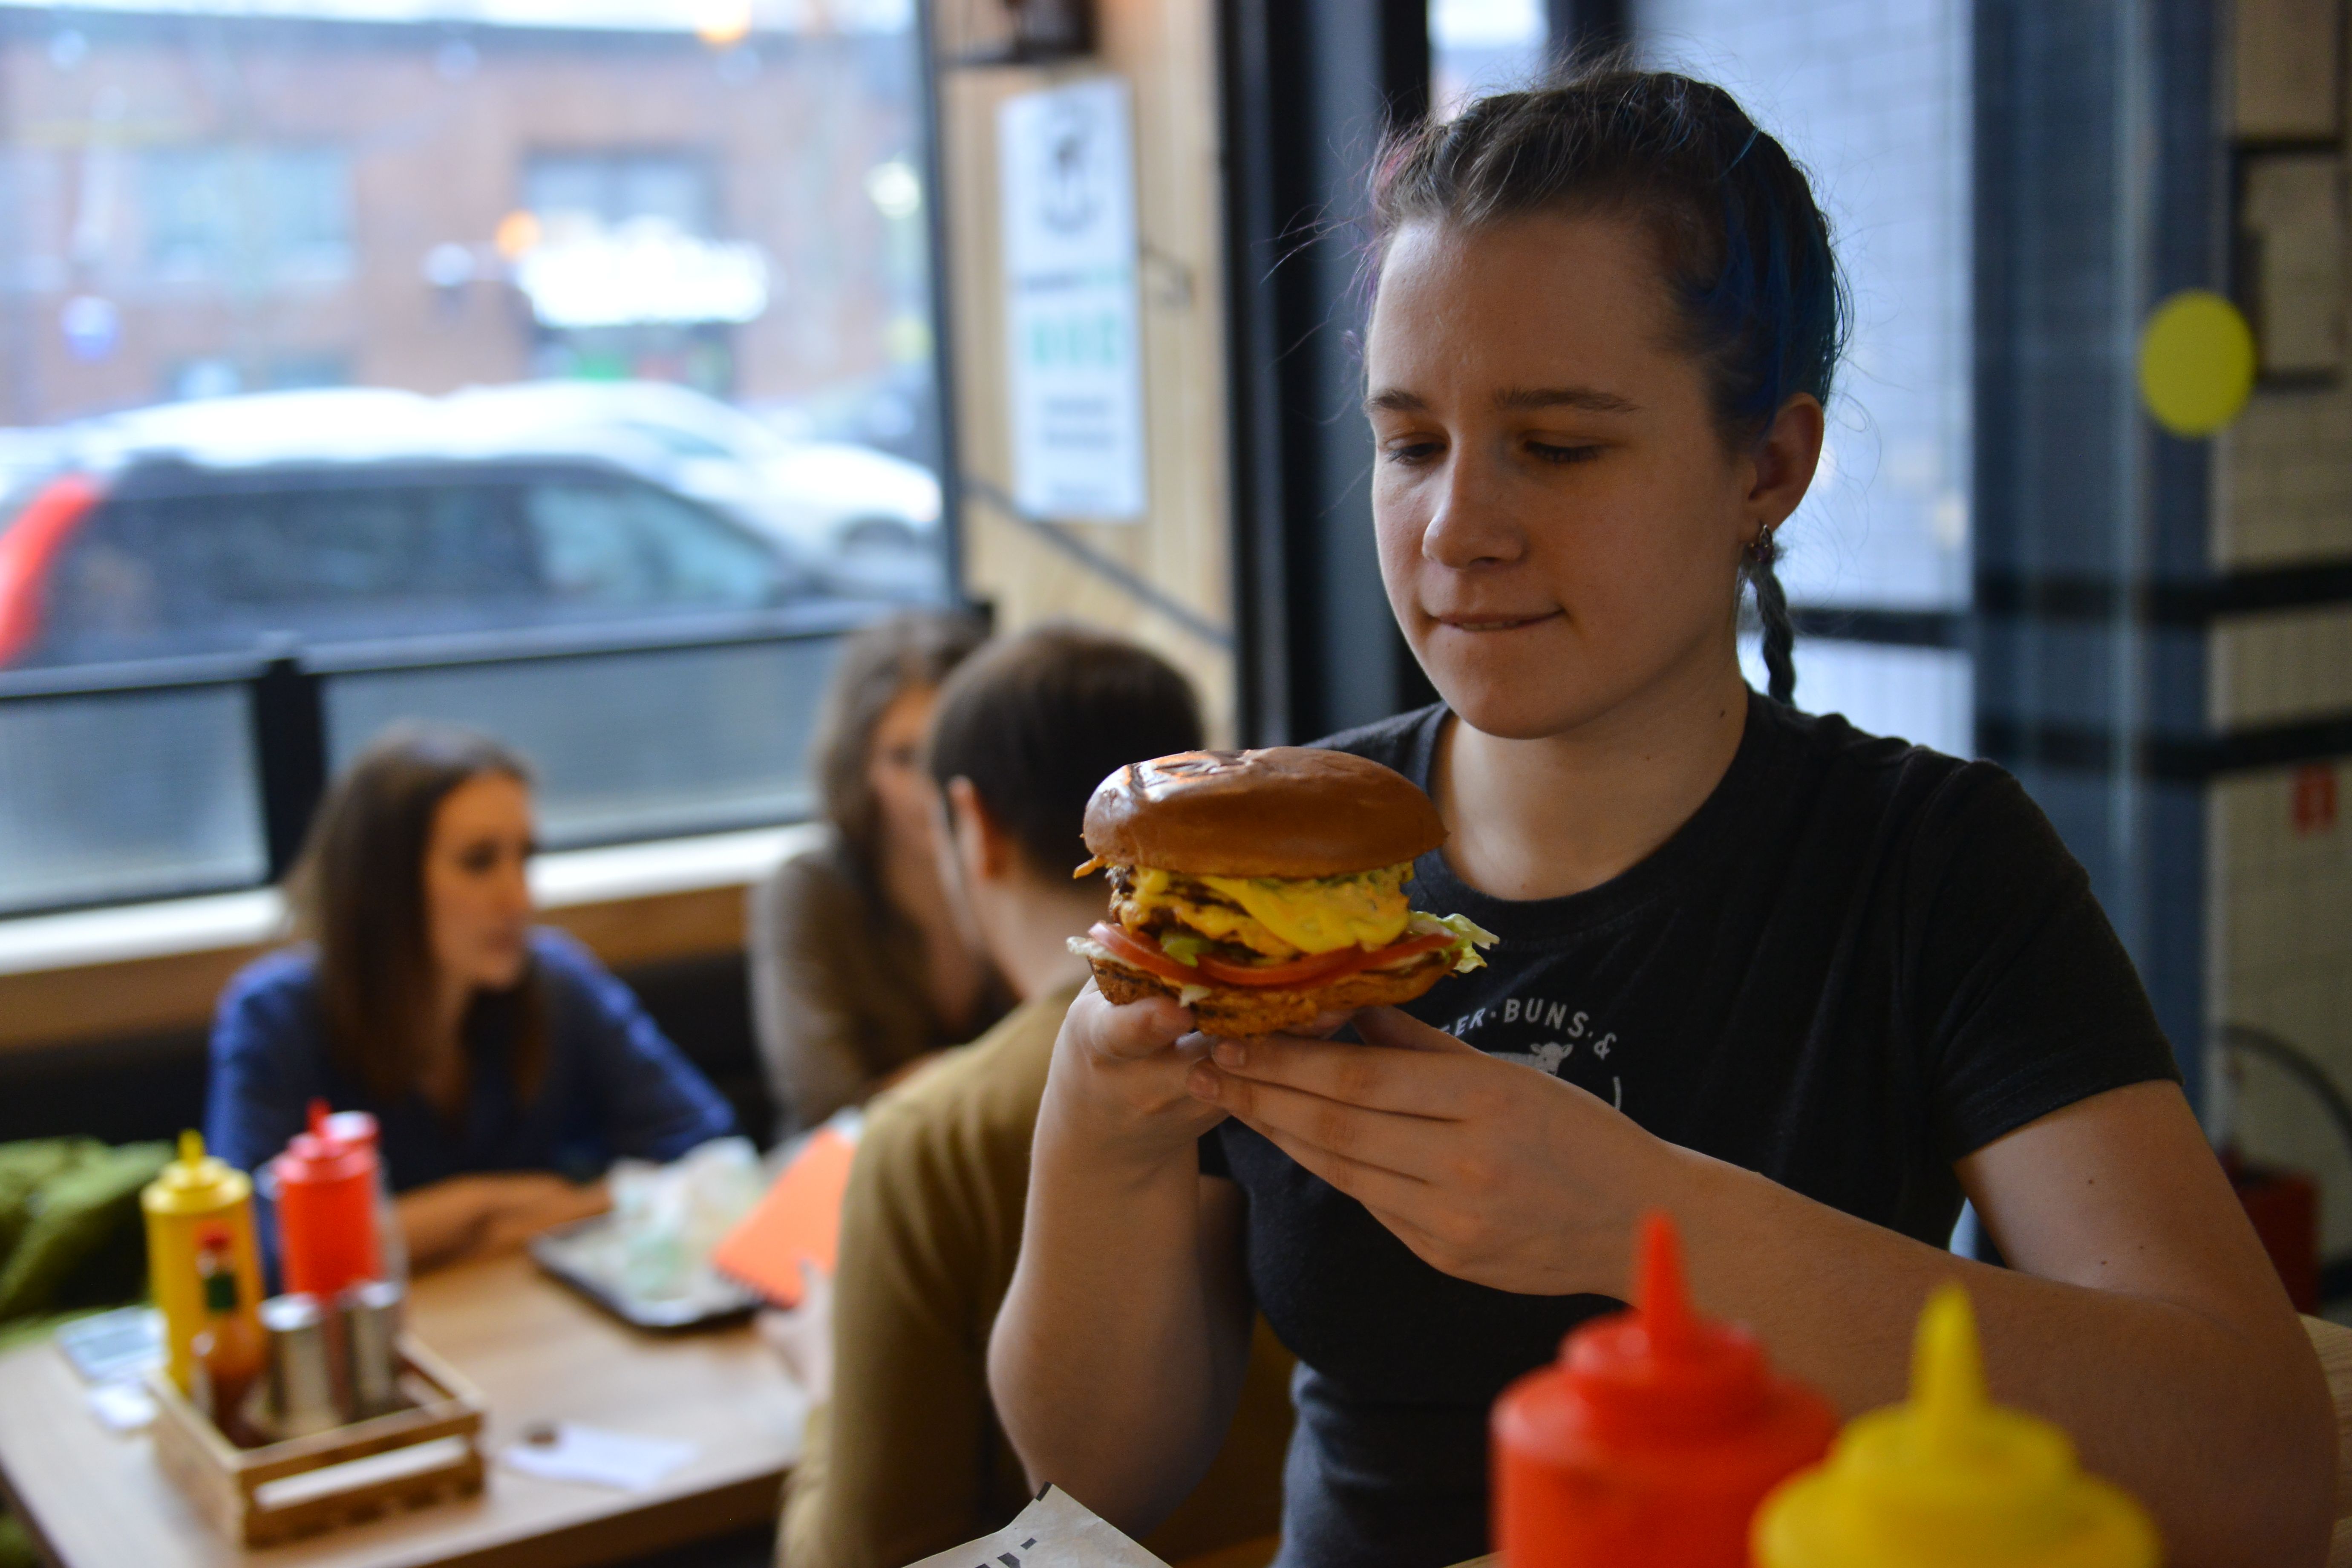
(1803, 988)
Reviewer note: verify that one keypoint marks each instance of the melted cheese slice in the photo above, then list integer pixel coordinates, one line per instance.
(1154, 890)
(1323, 916)
(1277, 918)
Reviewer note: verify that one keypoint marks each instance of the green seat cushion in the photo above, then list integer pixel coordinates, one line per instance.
(82, 1242)
(25, 1168)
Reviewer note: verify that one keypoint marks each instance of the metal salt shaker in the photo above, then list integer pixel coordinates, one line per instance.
(371, 1314)
(301, 1371)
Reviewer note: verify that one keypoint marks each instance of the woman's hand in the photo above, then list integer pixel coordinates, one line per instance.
(479, 1215)
(1119, 1083)
(1489, 1171)
(802, 1335)
(536, 1203)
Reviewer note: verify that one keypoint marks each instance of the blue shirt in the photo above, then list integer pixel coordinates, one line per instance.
(613, 1084)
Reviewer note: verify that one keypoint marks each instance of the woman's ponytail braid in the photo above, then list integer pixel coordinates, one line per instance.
(1772, 612)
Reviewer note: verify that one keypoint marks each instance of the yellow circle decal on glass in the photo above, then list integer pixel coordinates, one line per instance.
(2196, 363)
(722, 24)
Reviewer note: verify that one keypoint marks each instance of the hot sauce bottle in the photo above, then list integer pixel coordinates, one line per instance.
(227, 1355)
(1651, 1441)
(1952, 1480)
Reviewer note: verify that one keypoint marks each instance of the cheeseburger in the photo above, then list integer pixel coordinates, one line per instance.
(1260, 888)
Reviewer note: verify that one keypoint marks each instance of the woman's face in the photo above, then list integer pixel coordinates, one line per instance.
(476, 898)
(894, 771)
(1559, 520)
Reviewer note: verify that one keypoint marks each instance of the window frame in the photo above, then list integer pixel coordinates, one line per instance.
(286, 682)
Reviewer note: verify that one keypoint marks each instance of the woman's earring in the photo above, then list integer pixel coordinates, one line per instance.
(1761, 553)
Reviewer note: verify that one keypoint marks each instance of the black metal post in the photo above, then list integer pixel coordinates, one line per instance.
(1310, 87)
(949, 456)
(289, 753)
(1582, 27)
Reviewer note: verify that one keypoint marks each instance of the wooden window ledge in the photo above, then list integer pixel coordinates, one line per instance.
(148, 968)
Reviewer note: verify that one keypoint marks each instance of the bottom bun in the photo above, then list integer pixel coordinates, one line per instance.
(1243, 1012)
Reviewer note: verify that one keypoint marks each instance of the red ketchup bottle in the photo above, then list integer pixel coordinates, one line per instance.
(1651, 1441)
(392, 1249)
(327, 1210)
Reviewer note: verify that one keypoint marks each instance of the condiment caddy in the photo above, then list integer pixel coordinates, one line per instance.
(284, 1417)
(427, 1450)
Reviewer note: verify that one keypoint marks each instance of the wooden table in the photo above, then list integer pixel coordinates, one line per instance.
(538, 1353)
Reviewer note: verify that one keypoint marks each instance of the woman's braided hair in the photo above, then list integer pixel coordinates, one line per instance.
(1745, 247)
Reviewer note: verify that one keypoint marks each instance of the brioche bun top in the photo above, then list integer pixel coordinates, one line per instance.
(1284, 811)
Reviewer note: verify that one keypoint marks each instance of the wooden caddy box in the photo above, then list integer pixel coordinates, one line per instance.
(260, 1497)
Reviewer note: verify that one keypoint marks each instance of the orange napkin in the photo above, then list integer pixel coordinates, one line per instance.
(799, 1218)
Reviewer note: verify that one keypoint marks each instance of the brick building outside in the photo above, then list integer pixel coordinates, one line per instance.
(215, 202)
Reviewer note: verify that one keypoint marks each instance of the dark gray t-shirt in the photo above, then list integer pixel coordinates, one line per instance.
(1858, 961)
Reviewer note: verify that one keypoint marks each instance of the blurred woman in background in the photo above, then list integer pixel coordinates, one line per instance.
(505, 1067)
(857, 967)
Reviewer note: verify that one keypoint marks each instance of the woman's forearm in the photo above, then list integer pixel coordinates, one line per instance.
(465, 1216)
(1117, 1359)
(2216, 1419)
(441, 1222)
(526, 1214)
(2139, 1311)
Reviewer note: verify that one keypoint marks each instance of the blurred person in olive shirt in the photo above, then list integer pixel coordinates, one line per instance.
(906, 1458)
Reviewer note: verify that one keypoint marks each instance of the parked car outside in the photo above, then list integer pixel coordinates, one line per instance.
(351, 515)
(869, 519)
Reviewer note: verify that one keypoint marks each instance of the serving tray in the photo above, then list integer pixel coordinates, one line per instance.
(588, 1257)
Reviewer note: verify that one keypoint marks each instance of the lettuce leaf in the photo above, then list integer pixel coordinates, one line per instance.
(1186, 995)
(1184, 947)
(1469, 936)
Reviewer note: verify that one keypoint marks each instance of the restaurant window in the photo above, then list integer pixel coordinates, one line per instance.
(561, 367)
(1873, 101)
(1483, 46)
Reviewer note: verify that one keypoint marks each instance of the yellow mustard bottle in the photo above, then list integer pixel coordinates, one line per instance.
(1951, 1480)
(198, 1200)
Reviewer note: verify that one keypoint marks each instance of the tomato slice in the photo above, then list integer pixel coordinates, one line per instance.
(1317, 967)
(1303, 971)
(1139, 955)
(1312, 969)
(1411, 947)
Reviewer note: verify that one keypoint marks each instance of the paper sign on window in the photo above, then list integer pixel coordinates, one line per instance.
(1072, 353)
